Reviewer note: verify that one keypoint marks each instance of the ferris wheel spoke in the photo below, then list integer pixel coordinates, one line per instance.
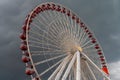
(54, 26)
(40, 54)
(90, 46)
(34, 38)
(85, 40)
(82, 38)
(37, 42)
(75, 30)
(62, 30)
(51, 15)
(44, 17)
(47, 16)
(52, 21)
(92, 57)
(42, 41)
(35, 53)
(81, 34)
(68, 32)
(68, 25)
(50, 67)
(46, 51)
(47, 60)
(41, 20)
(44, 37)
(52, 31)
(71, 32)
(38, 27)
(58, 23)
(72, 28)
(90, 50)
(49, 24)
(85, 44)
(42, 47)
(39, 23)
(57, 52)
(57, 27)
(69, 67)
(78, 31)
(63, 22)
(50, 34)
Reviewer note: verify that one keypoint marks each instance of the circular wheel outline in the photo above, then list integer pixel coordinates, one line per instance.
(57, 7)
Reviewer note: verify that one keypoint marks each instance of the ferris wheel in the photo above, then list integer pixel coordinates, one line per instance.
(57, 45)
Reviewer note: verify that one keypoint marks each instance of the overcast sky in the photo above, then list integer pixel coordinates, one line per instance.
(102, 16)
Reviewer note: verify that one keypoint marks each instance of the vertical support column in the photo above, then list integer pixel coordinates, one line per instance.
(88, 59)
(78, 70)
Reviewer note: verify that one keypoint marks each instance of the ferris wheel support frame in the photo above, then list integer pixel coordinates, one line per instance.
(95, 66)
(69, 67)
(66, 60)
(78, 67)
(57, 70)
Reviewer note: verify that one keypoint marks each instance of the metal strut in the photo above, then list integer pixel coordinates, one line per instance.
(78, 70)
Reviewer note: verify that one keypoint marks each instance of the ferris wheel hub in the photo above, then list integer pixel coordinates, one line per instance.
(79, 48)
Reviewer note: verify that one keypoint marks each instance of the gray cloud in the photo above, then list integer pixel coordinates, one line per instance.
(101, 16)
(115, 70)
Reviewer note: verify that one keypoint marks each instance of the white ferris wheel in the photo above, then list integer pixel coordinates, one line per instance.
(57, 45)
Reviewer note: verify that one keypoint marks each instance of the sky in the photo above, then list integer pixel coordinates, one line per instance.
(102, 16)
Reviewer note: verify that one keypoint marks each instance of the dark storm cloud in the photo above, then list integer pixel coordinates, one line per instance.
(102, 16)
(12, 15)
